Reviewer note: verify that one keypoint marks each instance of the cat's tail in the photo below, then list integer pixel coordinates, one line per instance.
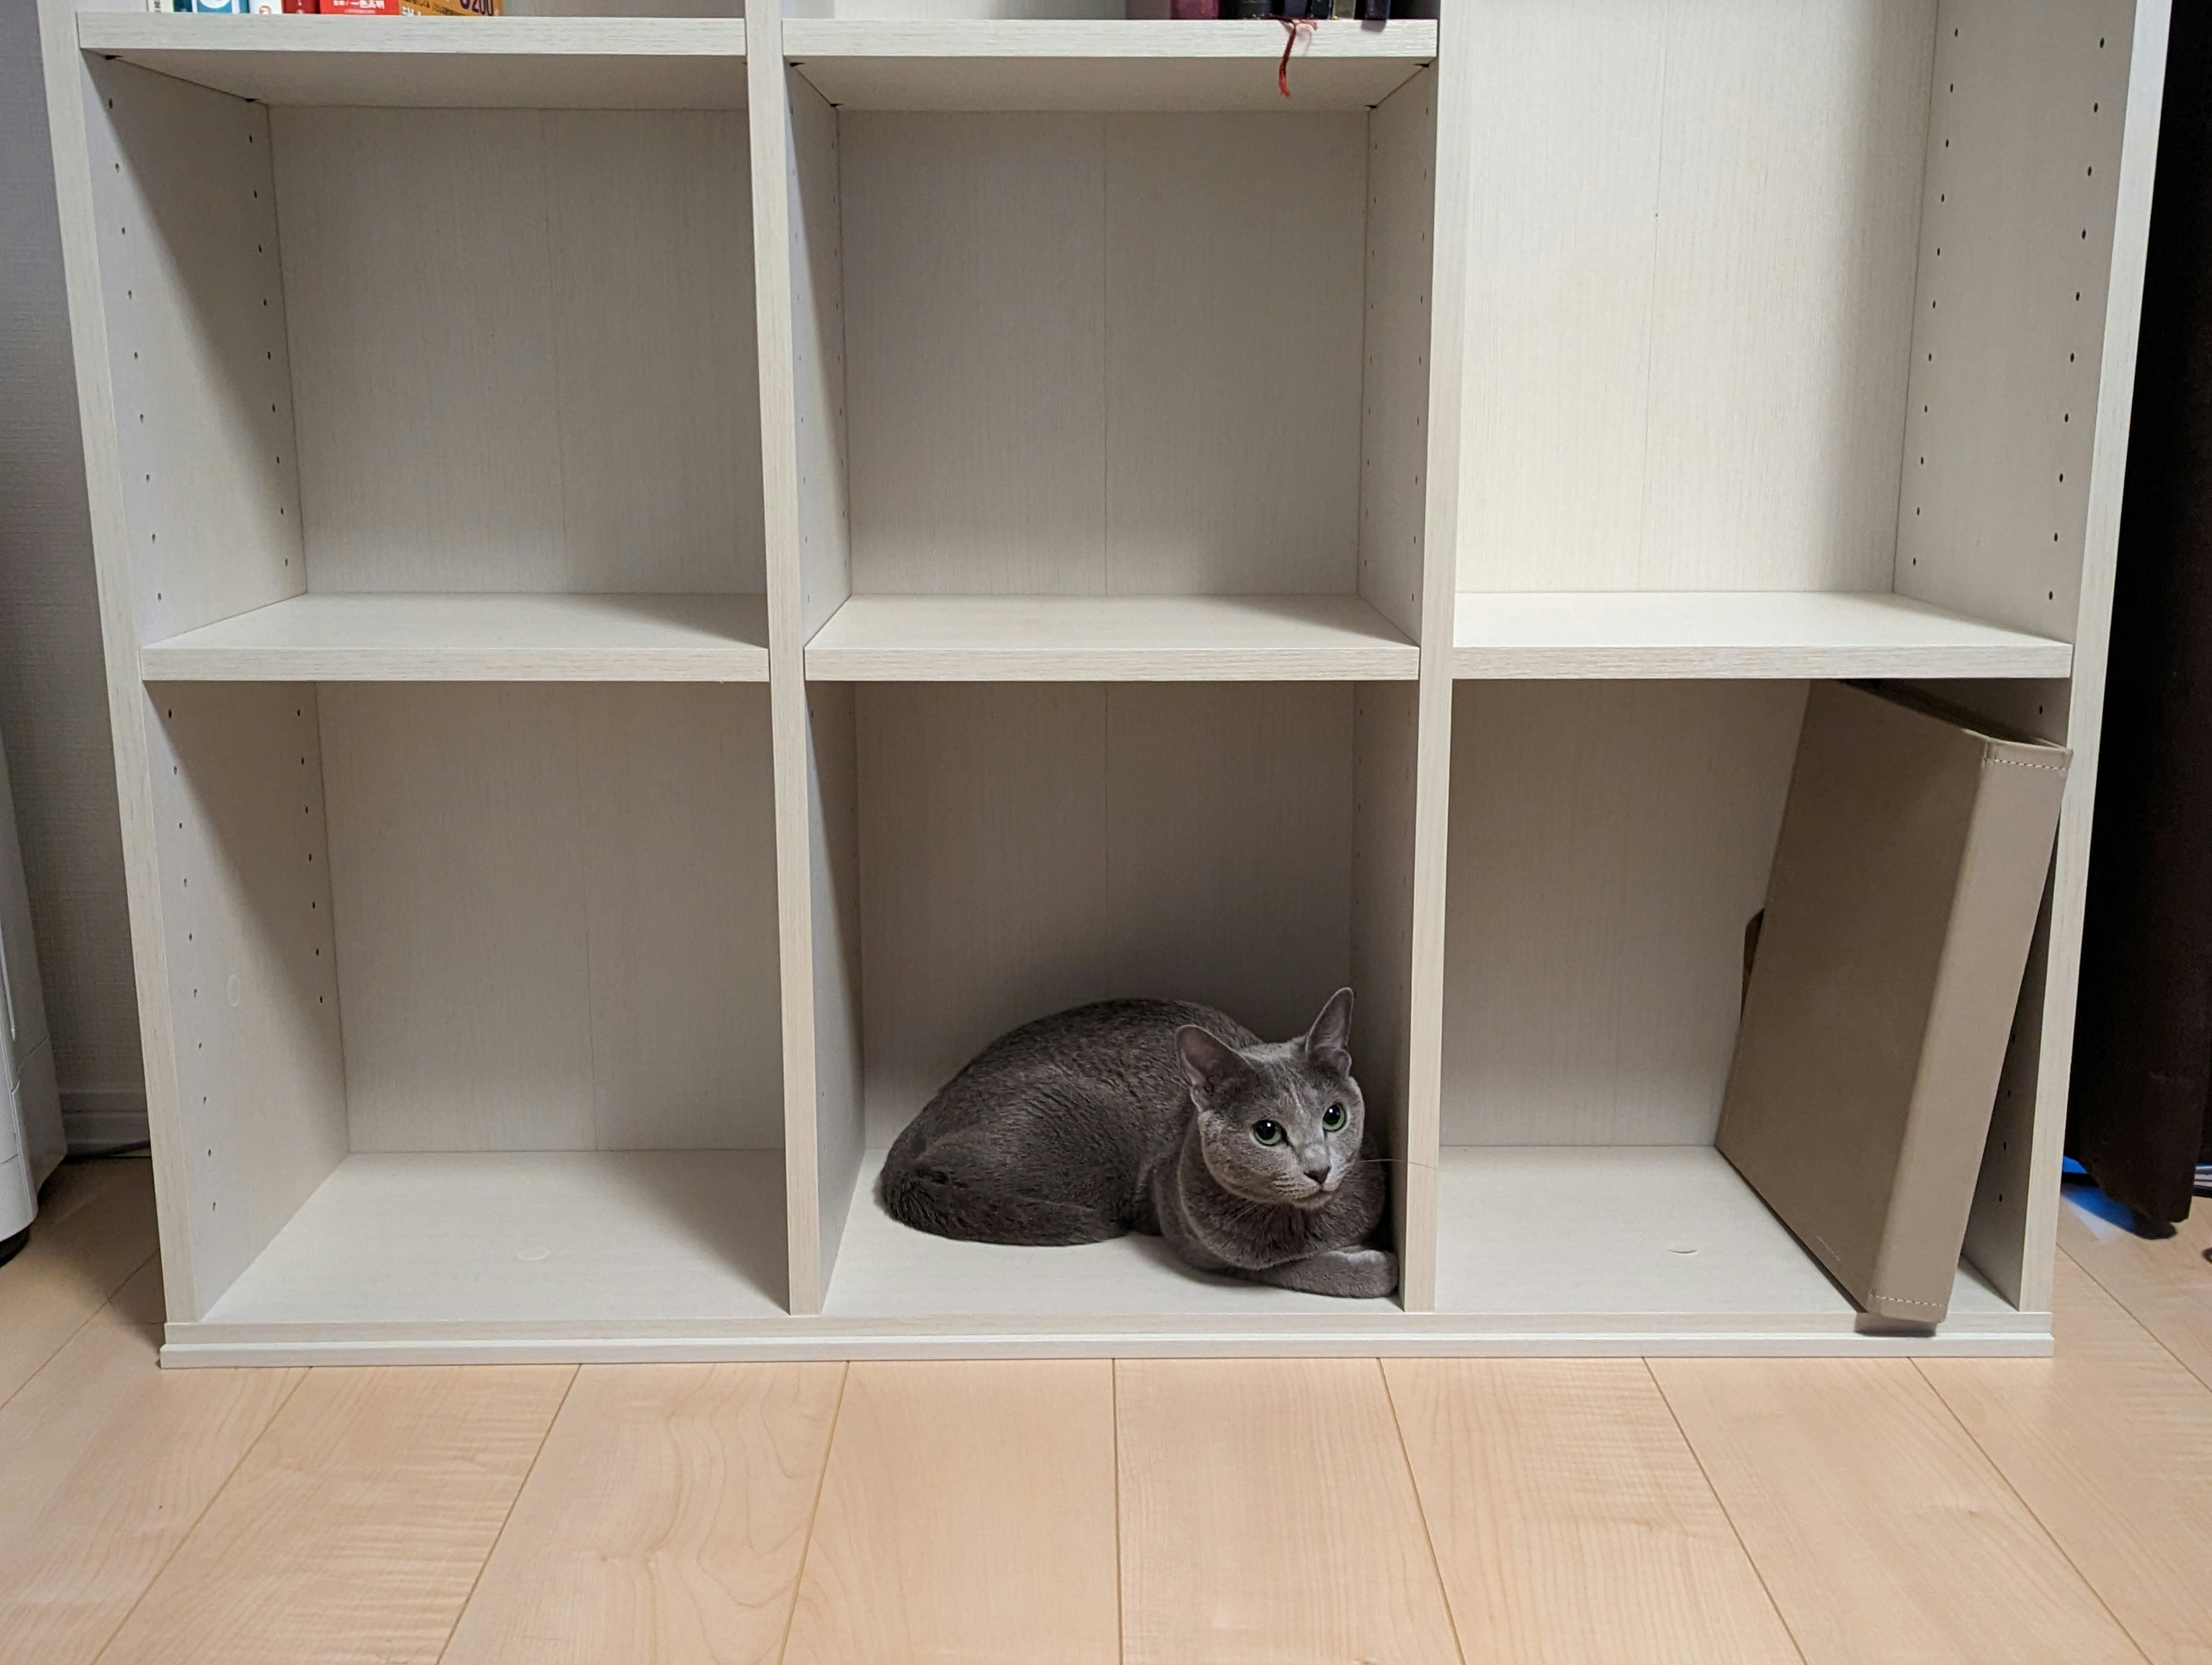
(930, 1190)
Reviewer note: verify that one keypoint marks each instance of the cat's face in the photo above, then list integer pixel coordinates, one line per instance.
(1279, 1123)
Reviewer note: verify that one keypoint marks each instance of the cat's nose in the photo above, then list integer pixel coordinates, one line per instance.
(1316, 1169)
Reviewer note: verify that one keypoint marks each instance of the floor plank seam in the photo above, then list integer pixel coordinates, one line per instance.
(1120, 1592)
(2028, 1508)
(98, 1307)
(185, 1536)
(1727, 1514)
(1421, 1508)
(814, 1513)
(2141, 1322)
(476, 1581)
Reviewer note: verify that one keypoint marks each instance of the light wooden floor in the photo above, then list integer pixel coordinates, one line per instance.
(1607, 1511)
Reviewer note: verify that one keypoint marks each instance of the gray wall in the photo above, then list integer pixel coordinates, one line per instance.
(53, 697)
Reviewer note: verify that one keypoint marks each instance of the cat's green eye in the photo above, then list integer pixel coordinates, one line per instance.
(1267, 1133)
(1333, 1118)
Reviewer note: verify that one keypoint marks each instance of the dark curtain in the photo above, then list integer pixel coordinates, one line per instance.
(2142, 1059)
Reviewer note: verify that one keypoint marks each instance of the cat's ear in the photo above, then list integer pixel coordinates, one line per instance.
(1207, 1061)
(1329, 1042)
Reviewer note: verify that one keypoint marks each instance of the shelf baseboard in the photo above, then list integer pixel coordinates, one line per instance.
(1736, 635)
(474, 638)
(440, 63)
(1032, 638)
(638, 1256)
(866, 64)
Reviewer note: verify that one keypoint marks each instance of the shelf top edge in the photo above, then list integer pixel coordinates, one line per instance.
(459, 37)
(1410, 41)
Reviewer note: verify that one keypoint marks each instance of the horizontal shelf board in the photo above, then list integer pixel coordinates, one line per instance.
(488, 1238)
(1569, 634)
(474, 638)
(677, 1256)
(1032, 638)
(1389, 1334)
(865, 64)
(440, 63)
(890, 1271)
(1656, 1233)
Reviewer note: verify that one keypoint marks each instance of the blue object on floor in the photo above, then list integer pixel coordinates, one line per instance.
(2090, 1201)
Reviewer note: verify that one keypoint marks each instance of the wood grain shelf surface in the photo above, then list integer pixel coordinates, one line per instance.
(498, 1238)
(1665, 1236)
(868, 65)
(440, 63)
(1064, 638)
(1734, 634)
(886, 1270)
(474, 638)
(677, 1255)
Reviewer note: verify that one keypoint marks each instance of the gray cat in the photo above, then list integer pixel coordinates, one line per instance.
(1251, 1159)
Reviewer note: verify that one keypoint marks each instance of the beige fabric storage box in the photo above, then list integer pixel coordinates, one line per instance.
(1906, 882)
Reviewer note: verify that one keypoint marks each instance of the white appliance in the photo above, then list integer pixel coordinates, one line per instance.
(31, 1140)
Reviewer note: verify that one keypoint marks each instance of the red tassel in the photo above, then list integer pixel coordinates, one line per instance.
(1290, 28)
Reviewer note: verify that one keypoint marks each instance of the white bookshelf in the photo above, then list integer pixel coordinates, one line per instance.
(666, 579)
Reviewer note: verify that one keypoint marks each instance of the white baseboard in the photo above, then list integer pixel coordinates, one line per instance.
(102, 1118)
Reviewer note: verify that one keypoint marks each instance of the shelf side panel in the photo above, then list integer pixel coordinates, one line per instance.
(817, 325)
(1401, 149)
(249, 939)
(1690, 281)
(2029, 111)
(523, 349)
(185, 200)
(833, 837)
(1385, 736)
(796, 199)
(2021, 403)
(1609, 843)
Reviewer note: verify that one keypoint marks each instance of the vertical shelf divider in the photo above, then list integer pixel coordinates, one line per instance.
(797, 276)
(1453, 169)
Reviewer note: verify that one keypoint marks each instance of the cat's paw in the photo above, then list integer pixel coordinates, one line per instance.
(1349, 1273)
(1367, 1273)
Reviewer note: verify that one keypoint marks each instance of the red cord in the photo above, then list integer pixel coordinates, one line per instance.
(1290, 28)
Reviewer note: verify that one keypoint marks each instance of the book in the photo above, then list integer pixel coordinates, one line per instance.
(1884, 977)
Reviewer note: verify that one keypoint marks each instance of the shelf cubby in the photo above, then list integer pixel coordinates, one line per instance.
(1594, 966)
(1051, 423)
(473, 993)
(1019, 848)
(667, 578)
(426, 393)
